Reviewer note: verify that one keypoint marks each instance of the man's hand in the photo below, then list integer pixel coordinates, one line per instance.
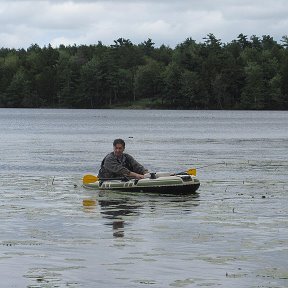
(136, 175)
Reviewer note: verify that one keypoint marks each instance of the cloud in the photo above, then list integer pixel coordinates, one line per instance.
(164, 21)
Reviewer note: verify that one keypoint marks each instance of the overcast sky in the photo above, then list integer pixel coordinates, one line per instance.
(168, 22)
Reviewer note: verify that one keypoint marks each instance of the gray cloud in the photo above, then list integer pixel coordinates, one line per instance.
(165, 22)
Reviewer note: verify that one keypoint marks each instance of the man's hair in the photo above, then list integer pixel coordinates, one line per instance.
(119, 141)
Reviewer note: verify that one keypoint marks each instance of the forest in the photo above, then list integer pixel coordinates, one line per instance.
(246, 73)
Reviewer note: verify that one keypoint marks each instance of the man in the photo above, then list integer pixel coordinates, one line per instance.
(119, 164)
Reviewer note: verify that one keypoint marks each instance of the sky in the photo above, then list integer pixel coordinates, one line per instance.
(168, 22)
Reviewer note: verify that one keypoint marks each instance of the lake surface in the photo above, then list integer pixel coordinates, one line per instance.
(233, 233)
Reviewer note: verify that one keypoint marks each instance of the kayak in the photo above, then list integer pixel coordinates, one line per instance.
(157, 183)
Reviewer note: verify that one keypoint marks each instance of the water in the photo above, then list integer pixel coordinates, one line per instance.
(232, 234)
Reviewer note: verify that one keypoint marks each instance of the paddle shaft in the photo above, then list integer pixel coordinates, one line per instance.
(92, 178)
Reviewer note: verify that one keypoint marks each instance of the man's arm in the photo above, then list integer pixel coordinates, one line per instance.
(136, 166)
(135, 175)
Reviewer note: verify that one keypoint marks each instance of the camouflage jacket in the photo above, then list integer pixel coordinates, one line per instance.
(112, 167)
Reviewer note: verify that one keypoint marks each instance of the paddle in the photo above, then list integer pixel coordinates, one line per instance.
(89, 178)
(191, 171)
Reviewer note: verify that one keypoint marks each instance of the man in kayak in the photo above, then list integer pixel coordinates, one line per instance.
(119, 164)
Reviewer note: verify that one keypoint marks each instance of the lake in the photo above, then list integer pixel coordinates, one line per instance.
(233, 233)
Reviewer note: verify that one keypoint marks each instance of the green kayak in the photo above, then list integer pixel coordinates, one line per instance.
(160, 183)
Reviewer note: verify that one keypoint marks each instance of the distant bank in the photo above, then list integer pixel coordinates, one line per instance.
(250, 74)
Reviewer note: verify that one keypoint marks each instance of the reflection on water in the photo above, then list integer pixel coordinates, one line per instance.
(118, 211)
(118, 228)
(114, 210)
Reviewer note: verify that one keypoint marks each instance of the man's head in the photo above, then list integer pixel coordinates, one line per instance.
(119, 147)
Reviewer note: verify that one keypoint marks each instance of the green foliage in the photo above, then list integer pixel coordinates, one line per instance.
(148, 81)
(247, 73)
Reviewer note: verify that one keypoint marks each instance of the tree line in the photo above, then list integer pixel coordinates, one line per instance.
(247, 73)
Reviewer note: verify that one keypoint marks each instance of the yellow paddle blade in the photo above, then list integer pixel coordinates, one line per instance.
(191, 171)
(89, 179)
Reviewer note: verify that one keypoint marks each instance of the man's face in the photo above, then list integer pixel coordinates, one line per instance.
(118, 150)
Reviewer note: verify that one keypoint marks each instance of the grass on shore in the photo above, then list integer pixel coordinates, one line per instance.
(147, 103)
